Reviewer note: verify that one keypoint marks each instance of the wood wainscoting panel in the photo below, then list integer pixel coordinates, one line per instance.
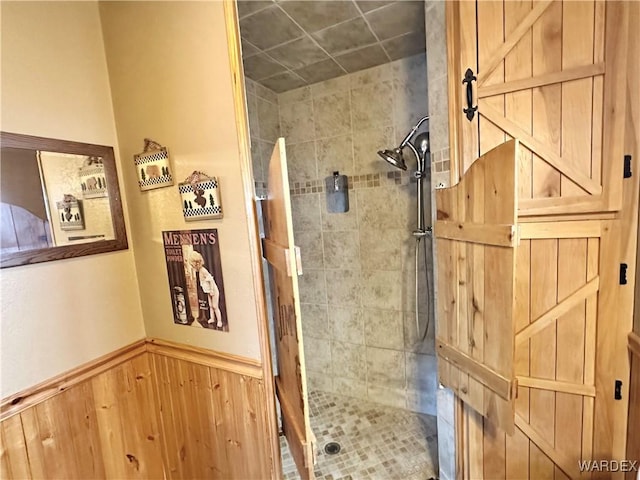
(129, 431)
(96, 428)
(150, 410)
(214, 421)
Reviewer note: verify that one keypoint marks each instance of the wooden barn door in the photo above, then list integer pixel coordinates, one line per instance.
(552, 75)
(549, 73)
(476, 238)
(283, 256)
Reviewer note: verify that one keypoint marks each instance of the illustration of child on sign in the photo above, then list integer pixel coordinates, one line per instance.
(207, 292)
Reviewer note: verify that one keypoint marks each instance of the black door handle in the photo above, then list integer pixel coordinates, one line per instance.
(470, 110)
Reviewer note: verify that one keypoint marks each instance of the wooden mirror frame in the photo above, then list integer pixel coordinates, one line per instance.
(27, 257)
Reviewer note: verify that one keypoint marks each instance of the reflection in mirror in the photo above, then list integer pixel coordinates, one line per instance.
(59, 199)
(82, 177)
(24, 220)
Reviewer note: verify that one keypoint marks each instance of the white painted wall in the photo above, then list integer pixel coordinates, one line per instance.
(171, 81)
(54, 83)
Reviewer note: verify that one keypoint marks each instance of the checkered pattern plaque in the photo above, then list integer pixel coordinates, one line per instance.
(70, 215)
(200, 200)
(153, 169)
(93, 181)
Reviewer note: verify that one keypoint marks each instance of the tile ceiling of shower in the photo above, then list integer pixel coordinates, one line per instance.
(287, 44)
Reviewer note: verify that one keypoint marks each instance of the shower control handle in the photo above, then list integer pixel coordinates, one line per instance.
(470, 110)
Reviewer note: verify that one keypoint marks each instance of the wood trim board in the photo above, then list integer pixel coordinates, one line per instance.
(47, 389)
(203, 356)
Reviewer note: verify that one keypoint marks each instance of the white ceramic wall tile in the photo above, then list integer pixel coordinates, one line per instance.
(332, 114)
(310, 243)
(393, 397)
(347, 324)
(296, 122)
(317, 355)
(335, 154)
(386, 368)
(368, 252)
(383, 329)
(316, 321)
(382, 289)
(298, 95)
(343, 288)
(313, 287)
(348, 360)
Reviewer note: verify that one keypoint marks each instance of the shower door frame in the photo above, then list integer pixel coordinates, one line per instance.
(232, 28)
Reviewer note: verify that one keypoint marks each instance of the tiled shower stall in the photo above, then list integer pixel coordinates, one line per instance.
(357, 288)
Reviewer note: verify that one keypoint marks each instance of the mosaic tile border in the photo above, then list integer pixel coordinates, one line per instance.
(355, 182)
(440, 162)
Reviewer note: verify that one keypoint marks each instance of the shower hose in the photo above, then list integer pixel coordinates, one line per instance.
(419, 240)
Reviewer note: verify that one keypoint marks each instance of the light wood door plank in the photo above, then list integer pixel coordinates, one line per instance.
(598, 92)
(570, 333)
(471, 232)
(545, 153)
(569, 74)
(518, 106)
(566, 463)
(79, 408)
(544, 265)
(559, 229)
(546, 114)
(463, 55)
(577, 95)
(490, 64)
(614, 107)
(551, 315)
(13, 450)
(463, 301)
(33, 442)
(474, 210)
(558, 386)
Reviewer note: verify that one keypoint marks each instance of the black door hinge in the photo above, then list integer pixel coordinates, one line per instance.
(627, 167)
(617, 395)
(623, 274)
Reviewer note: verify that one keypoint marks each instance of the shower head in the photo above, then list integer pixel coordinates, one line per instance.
(394, 157)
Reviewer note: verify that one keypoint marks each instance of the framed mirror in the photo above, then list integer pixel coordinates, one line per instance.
(58, 199)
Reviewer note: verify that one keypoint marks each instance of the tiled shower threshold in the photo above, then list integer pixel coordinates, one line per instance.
(377, 442)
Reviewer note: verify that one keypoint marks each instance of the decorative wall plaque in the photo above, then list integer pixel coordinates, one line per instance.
(70, 213)
(200, 195)
(92, 178)
(153, 167)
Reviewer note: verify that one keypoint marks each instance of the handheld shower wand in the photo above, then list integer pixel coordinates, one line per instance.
(421, 150)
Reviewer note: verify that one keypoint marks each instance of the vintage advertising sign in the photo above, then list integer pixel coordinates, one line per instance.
(195, 278)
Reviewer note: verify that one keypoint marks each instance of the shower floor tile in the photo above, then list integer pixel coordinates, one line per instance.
(378, 442)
